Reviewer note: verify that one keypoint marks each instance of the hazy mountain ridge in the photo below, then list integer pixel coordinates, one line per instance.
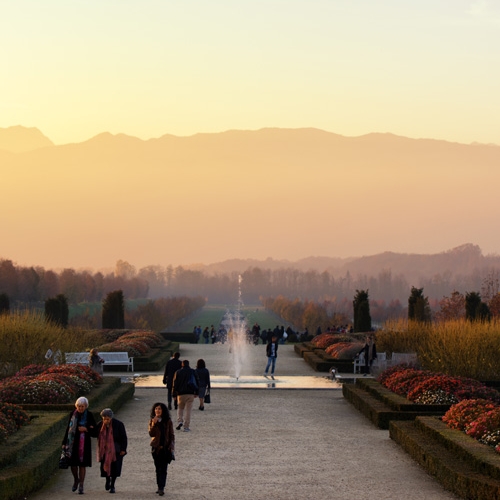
(461, 260)
(20, 139)
(279, 192)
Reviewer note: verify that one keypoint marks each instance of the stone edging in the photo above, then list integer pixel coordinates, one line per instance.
(381, 406)
(461, 464)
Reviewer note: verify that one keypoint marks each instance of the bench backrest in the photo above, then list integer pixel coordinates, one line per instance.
(115, 356)
(404, 357)
(81, 358)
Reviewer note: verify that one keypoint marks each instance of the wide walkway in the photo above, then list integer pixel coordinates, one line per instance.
(263, 443)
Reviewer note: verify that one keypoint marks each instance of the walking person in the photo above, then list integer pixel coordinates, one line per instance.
(203, 381)
(111, 447)
(370, 353)
(173, 364)
(96, 362)
(272, 354)
(162, 435)
(76, 442)
(185, 388)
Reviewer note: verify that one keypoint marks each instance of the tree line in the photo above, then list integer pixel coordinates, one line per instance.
(388, 293)
(318, 317)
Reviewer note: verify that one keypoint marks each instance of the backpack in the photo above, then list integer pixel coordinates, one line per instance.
(192, 386)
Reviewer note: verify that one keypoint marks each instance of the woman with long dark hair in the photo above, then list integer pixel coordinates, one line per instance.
(162, 435)
(76, 443)
(204, 381)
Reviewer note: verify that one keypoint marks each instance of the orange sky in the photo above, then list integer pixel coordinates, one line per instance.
(426, 69)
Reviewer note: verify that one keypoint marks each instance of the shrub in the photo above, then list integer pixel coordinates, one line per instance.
(344, 350)
(485, 425)
(462, 414)
(323, 340)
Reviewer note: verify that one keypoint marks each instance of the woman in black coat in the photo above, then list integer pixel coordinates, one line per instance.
(76, 443)
(111, 447)
(204, 381)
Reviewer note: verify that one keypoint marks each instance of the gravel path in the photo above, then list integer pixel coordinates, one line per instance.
(263, 444)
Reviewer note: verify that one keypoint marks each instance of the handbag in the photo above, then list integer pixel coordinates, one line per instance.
(206, 399)
(63, 461)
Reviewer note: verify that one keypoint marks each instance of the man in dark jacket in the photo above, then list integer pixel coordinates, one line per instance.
(185, 387)
(171, 367)
(272, 354)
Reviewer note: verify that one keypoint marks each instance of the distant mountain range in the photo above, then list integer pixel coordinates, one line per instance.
(21, 139)
(462, 260)
(270, 192)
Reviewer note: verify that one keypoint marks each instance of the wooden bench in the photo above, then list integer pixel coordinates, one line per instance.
(110, 359)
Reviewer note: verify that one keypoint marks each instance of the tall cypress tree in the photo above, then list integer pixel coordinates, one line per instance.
(418, 306)
(57, 310)
(113, 310)
(475, 308)
(361, 307)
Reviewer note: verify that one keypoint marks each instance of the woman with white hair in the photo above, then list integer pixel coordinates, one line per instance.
(76, 443)
(111, 447)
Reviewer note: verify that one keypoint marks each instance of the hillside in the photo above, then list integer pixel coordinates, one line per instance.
(278, 193)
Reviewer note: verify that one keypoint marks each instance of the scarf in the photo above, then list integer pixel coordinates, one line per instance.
(73, 425)
(106, 447)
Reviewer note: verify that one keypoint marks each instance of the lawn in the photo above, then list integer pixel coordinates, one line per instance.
(213, 314)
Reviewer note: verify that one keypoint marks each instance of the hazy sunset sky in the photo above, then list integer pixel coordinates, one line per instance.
(75, 69)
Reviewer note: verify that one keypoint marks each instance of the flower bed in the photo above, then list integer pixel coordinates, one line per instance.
(426, 387)
(136, 343)
(37, 384)
(478, 418)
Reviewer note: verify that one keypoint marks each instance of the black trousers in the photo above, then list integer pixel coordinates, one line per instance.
(161, 466)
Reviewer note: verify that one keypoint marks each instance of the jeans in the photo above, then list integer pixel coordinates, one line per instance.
(271, 362)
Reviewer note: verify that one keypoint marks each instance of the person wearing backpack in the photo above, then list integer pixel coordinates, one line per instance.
(185, 388)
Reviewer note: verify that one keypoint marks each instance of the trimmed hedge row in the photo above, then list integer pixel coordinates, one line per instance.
(381, 406)
(461, 464)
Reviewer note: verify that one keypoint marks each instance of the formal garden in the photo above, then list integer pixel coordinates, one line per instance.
(38, 389)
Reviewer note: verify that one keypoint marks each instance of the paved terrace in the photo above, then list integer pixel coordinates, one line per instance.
(295, 439)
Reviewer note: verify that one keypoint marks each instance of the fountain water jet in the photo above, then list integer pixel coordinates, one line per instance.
(236, 326)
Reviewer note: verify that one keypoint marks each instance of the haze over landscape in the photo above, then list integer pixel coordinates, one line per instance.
(181, 133)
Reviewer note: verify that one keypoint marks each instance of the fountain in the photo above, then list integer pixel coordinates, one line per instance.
(234, 322)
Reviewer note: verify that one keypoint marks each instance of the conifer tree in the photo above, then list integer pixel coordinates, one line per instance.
(361, 306)
(113, 310)
(418, 306)
(4, 303)
(57, 310)
(475, 308)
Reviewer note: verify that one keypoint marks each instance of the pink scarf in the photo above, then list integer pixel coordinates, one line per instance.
(106, 447)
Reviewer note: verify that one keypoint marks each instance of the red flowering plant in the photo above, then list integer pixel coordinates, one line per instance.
(485, 425)
(14, 414)
(137, 343)
(386, 374)
(475, 391)
(403, 381)
(323, 340)
(344, 350)
(57, 384)
(439, 381)
(151, 339)
(82, 376)
(31, 370)
(462, 414)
